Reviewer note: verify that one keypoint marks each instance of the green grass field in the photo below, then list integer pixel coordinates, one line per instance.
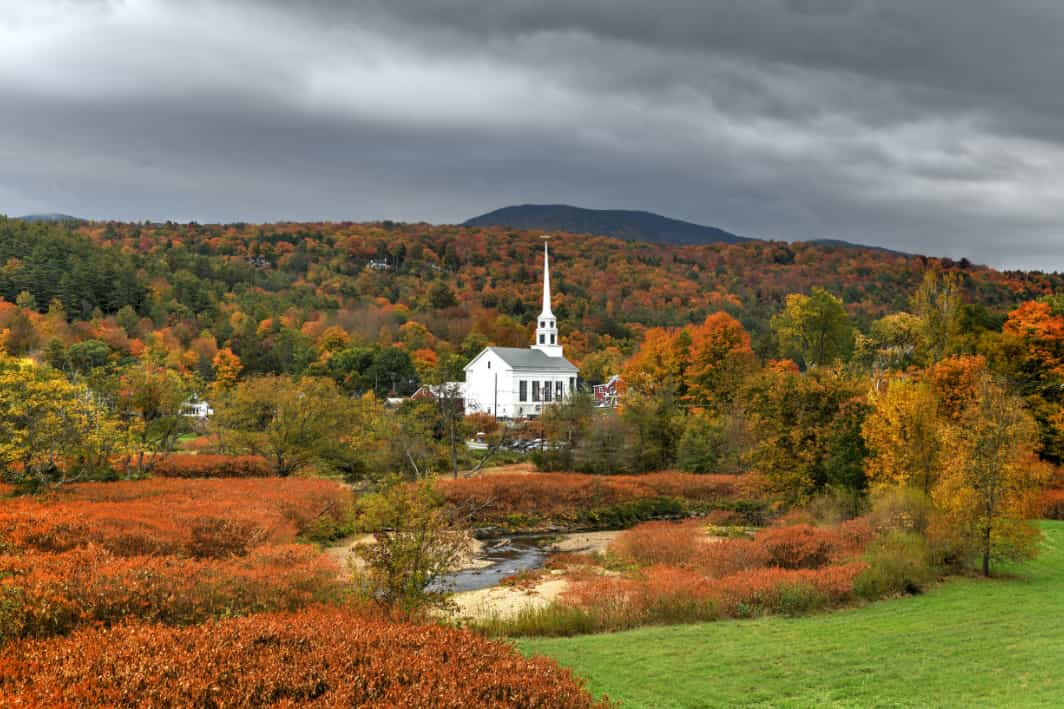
(970, 642)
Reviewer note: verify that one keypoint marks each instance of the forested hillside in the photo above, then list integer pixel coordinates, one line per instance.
(269, 292)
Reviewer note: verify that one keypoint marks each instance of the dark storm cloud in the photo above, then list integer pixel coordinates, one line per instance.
(932, 127)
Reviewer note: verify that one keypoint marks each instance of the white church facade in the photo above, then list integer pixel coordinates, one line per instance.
(515, 382)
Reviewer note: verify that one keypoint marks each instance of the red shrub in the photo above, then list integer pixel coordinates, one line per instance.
(561, 494)
(669, 592)
(200, 444)
(48, 594)
(649, 543)
(685, 486)
(1053, 504)
(799, 546)
(730, 556)
(855, 535)
(777, 590)
(202, 518)
(321, 657)
(673, 594)
(186, 465)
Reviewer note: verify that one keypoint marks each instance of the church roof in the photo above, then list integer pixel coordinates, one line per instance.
(528, 358)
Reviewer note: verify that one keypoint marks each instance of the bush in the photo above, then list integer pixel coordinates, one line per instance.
(731, 556)
(625, 514)
(184, 465)
(50, 594)
(799, 546)
(836, 505)
(899, 562)
(324, 657)
(671, 594)
(605, 500)
(786, 591)
(900, 508)
(1053, 504)
(200, 518)
(674, 543)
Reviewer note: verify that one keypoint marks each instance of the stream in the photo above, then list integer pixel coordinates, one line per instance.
(500, 558)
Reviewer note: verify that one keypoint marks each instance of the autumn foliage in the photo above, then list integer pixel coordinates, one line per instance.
(673, 572)
(51, 594)
(196, 518)
(560, 495)
(174, 551)
(323, 657)
(1053, 504)
(185, 465)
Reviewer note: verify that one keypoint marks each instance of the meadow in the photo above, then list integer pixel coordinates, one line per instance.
(966, 642)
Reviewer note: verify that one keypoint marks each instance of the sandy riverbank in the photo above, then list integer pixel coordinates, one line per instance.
(343, 552)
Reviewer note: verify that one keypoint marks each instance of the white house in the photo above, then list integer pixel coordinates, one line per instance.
(514, 382)
(195, 407)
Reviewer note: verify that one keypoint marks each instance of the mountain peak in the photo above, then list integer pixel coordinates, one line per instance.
(628, 224)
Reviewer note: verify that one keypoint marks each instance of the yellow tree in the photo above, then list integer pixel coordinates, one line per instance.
(294, 424)
(227, 367)
(936, 303)
(52, 431)
(815, 327)
(903, 434)
(659, 362)
(992, 477)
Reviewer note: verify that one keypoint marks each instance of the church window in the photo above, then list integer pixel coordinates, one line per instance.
(542, 324)
(489, 364)
(541, 338)
(524, 390)
(546, 391)
(535, 391)
(558, 390)
(552, 339)
(572, 385)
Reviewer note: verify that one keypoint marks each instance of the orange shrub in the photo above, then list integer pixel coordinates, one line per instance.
(553, 494)
(1053, 504)
(777, 590)
(650, 543)
(799, 546)
(49, 594)
(664, 593)
(670, 592)
(322, 657)
(200, 444)
(731, 556)
(202, 518)
(686, 486)
(186, 465)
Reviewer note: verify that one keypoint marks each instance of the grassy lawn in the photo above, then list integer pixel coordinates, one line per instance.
(988, 643)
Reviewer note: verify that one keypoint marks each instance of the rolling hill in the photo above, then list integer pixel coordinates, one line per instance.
(631, 225)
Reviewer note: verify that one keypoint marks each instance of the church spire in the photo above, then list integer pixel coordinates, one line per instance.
(547, 340)
(546, 283)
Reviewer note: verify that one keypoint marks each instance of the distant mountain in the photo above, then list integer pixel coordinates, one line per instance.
(631, 225)
(850, 245)
(53, 217)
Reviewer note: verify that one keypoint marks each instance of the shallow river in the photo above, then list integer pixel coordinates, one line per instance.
(501, 557)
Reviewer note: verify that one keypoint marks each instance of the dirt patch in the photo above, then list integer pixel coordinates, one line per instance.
(585, 542)
(508, 601)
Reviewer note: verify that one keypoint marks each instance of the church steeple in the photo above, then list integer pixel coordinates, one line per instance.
(547, 326)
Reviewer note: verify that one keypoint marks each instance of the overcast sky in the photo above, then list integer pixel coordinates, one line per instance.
(934, 127)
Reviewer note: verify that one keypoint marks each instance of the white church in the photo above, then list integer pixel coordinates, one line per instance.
(514, 383)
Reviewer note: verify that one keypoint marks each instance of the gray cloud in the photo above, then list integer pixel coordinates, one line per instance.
(932, 127)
